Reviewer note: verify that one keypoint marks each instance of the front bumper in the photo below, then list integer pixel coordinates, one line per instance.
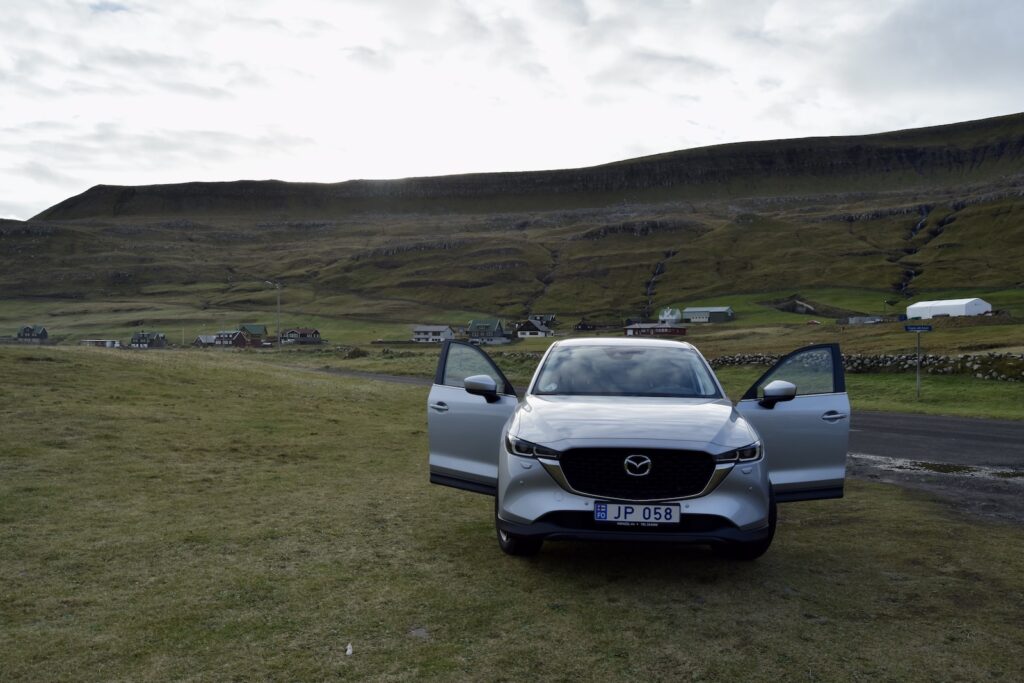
(690, 529)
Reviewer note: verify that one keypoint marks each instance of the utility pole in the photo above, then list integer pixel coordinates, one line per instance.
(277, 286)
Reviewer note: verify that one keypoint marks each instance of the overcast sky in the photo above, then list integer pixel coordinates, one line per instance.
(133, 92)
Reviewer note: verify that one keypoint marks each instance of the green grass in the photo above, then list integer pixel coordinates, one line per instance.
(167, 516)
(896, 392)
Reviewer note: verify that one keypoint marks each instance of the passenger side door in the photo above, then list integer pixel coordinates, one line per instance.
(805, 437)
(464, 429)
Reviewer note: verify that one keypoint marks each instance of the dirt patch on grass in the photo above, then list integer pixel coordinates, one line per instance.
(988, 492)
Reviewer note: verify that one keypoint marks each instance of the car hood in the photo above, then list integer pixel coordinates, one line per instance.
(563, 422)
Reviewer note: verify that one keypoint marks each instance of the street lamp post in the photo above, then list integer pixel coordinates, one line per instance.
(277, 286)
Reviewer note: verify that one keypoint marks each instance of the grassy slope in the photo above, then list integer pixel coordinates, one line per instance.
(803, 220)
(161, 517)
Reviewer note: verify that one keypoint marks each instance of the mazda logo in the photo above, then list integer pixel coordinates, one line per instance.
(637, 465)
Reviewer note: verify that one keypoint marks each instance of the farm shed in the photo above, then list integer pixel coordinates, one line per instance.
(102, 343)
(432, 334)
(654, 330)
(948, 307)
(708, 314)
(204, 340)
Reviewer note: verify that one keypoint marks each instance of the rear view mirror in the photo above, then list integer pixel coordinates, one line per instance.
(482, 385)
(776, 392)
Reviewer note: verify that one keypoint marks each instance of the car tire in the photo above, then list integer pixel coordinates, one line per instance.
(514, 544)
(747, 552)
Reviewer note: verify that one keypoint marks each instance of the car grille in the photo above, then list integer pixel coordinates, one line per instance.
(601, 472)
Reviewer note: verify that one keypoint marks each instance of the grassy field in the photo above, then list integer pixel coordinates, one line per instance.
(206, 516)
(959, 395)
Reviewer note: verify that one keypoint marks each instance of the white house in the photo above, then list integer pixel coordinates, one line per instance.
(432, 333)
(670, 316)
(948, 307)
(533, 328)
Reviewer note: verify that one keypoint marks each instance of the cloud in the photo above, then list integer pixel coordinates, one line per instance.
(374, 59)
(638, 68)
(108, 7)
(573, 12)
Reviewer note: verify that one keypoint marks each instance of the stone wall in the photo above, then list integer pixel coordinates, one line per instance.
(1006, 367)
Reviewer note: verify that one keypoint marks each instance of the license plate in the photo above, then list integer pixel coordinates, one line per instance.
(636, 515)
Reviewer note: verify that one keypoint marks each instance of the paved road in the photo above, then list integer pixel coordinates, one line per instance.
(938, 439)
(903, 436)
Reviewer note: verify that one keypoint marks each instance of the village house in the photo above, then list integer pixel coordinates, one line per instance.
(149, 340)
(301, 335)
(670, 316)
(32, 334)
(432, 334)
(255, 333)
(486, 332)
(546, 319)
(204, 340)
(533, 328)
(230, 338)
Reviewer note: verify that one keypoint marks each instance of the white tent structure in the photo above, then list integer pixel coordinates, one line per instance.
(948, 307)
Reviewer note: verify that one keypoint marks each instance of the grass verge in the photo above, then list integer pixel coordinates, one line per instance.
(167, 516)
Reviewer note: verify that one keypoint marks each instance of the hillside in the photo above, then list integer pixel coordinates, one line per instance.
(898, 214)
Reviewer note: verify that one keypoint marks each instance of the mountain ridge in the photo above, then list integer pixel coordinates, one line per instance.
(931, 157)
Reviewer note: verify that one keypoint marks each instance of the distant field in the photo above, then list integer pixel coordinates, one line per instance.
(207, 516)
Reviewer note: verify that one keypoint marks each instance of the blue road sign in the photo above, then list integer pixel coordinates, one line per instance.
(917, 328)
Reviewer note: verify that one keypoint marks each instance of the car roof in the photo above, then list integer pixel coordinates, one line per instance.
(622, 341)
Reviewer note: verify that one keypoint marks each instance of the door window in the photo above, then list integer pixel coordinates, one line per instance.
(465, 361)
(813, 370)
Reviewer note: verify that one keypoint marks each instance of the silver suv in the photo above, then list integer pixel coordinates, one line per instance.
(635, 439)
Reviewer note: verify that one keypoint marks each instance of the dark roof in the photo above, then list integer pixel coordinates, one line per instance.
(253, 328)
(540, 327)
(491, 326)
(302, 330)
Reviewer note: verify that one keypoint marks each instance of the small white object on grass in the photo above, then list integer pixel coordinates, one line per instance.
(348, 650)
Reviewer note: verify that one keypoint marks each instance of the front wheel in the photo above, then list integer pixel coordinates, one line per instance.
(514, 544)
(746, 552)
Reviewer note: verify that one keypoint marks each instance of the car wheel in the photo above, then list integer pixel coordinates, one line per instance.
(746, 552)
(514, 544)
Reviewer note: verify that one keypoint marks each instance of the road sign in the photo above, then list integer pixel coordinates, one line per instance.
(917, 328)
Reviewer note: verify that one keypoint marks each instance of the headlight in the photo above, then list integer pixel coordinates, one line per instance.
(745, 454)
(528, 449)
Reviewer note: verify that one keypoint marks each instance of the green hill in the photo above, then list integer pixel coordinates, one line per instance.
(936, 209)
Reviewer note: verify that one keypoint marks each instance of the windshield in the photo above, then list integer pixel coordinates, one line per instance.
(661, 371)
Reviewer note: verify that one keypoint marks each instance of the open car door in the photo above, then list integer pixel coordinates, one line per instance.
(465, 418)
(805, 431)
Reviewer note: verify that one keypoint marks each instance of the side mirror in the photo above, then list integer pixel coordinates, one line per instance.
(777, 391)
(482, 385)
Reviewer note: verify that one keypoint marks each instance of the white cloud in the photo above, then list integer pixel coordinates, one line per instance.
(147, 91)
